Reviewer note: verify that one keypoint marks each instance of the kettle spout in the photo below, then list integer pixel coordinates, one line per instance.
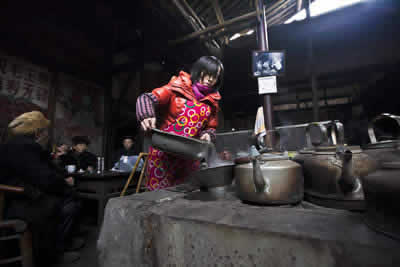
(347, 181)
(258, 177)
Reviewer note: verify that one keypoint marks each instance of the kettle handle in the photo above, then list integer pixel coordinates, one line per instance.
(371, 132)
(335, 133)
(323, 130)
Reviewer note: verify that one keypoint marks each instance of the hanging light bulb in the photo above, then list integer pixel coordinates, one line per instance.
(251, 31)
(235, 36)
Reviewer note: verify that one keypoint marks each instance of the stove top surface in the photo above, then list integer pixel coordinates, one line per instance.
(228, 194)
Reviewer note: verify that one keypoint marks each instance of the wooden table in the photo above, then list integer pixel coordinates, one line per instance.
(101, 187)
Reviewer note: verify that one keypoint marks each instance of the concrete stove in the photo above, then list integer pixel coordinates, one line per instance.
(182, 228)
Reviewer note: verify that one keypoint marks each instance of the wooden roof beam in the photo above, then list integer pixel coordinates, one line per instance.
(299, 5)
(192, 18)
(193, 14)
(211, 29)
(220, 17)
(218, 12)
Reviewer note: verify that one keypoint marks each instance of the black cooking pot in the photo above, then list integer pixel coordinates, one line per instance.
(213, 177)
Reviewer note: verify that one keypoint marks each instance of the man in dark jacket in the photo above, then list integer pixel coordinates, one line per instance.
(128, 149)
(125, 158)
(48, 206)
(79, 156)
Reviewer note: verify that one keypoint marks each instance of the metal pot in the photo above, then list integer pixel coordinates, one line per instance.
(269, 179)
(332, 173)
(180, 145)
(382, 194)
(382, 151)
(207, 178)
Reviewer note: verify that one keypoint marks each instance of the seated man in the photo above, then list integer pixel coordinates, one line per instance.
(126, 157)
(79, 156)
(49, 207)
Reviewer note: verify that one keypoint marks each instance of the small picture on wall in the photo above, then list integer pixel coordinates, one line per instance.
(268, 63)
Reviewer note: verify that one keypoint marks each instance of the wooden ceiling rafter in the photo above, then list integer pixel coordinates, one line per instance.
(299, 5)
(230, 10)
(193, 20)
(217, 10)
(220, 17)
(277, 16)
(274, 13)
(199, 21)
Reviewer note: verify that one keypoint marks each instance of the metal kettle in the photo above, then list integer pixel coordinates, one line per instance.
(382, 151)
(332, 173)
(270, 179)
(382, 195)
(382, 188)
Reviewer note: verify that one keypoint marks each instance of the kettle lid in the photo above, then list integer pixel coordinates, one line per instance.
(383, 144)
(391, 165)
(332, 149)
(274, 156)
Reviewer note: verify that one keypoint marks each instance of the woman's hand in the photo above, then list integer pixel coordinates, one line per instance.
(206, 137)
(70, 181)
(148, 124)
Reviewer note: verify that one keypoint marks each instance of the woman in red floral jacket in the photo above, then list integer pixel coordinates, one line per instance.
(187, 106)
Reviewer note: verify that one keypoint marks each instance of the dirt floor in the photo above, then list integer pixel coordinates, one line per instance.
(88, 252)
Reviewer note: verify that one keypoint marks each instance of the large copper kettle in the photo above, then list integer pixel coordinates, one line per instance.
(269, 179)
(332, 170)
(382, 188)
(382, 194)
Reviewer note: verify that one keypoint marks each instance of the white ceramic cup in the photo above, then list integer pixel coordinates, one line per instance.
(71, 168)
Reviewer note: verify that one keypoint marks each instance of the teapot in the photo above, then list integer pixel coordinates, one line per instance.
(382, 151)
(269, 179)
(382, 194)
(332, 172)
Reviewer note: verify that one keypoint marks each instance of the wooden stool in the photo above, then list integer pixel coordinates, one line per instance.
(142, 173)
(19, 229)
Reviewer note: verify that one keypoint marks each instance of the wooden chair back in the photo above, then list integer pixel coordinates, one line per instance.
(6, 189)
(19, 228)
(142, 173)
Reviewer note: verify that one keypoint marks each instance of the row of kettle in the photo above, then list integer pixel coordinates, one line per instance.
(334, 175)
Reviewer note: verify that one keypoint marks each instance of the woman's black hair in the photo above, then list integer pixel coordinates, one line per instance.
(208, 65)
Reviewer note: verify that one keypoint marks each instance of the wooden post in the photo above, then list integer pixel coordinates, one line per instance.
(311, 66)
(107, 131)
(297, 101)
(51, 106)
(263, 45)
(107, 123)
